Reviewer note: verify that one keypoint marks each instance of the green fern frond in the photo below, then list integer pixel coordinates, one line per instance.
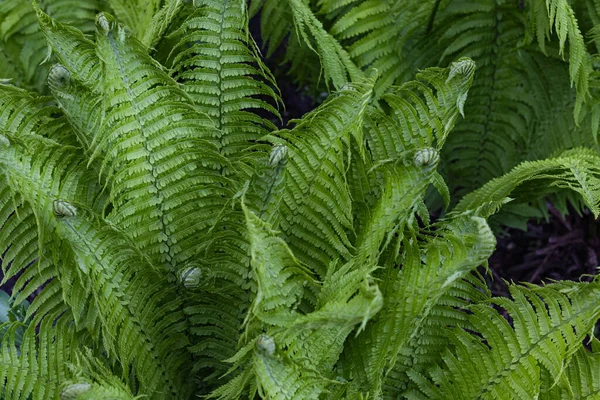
(413, 292)
(72, 49)
(218, 65)
(581, 377)
(367, 28)
(94, 380)
(128, 298)
(36, 369)
(279, 276)
(549, 325)
(137, 15)
(161, 22)
(316, 207)
(285, 360)
(558, 15)
(430, 341)
(82, 108)
(309, 33)
(576, 170)
(23, 41)
(156, 150)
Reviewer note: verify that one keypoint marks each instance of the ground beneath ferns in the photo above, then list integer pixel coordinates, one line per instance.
(559, 249)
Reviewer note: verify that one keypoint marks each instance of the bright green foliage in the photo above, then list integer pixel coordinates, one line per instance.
(526, 103)
(164, 240)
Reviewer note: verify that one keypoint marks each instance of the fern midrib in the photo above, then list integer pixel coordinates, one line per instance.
(159, 205)
(224, 6)
(124, 300)
(491, 381)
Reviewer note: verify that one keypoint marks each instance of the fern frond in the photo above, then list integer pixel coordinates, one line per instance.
(279, 276)
(161, 22)
(576, 170)
(549, 325)
(558, 15)
(367, 28)
(581, 377)
(427, 346)
(36, 369)
(413, 292)
(309, 33)
(157, 156)
(137, 15)
(72, 49)
(316, 231)
(23, 40)
(129, 299)
(82, 108)
(218, 65)
(286, 359)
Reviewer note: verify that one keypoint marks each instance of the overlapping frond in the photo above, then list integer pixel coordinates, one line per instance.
(137, 15)
(22, 41)
(581, 377)
(176, 244)
(501, 361)
(379, 34)
(141, 320)
(412, 293)
(156, 151)
(293, 351)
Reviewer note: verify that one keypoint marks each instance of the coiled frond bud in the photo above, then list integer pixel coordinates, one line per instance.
(265, 344)
(74, 391)
(426, 157)
(104, 23)
(59, 76)
(190, 277)
(64, 209)
(278, 155)
(463, 67)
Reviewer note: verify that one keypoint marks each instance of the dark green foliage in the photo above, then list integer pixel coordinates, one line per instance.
(163, 239)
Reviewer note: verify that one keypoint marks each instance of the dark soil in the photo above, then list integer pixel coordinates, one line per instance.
(559, 249)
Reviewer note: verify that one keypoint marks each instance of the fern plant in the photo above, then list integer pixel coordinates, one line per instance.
(163, 239)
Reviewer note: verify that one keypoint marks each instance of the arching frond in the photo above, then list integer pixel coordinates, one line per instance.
(576, 170)
(299, 21)
(500, 360)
